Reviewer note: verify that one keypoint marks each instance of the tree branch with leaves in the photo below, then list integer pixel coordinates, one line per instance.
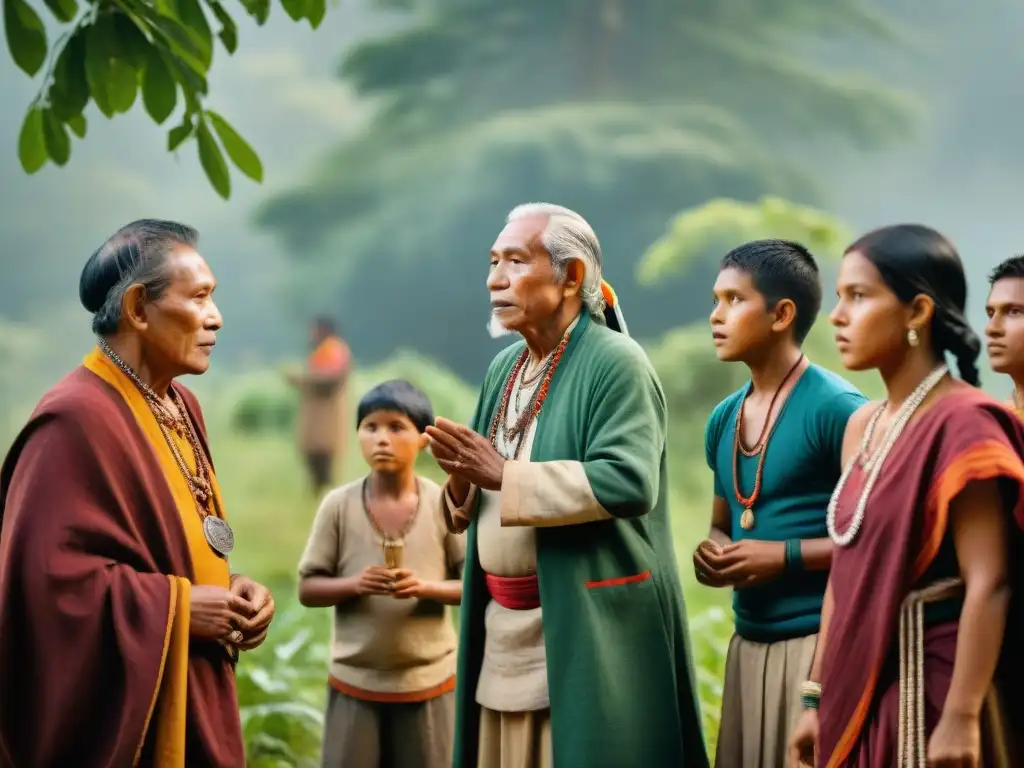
(110, 51)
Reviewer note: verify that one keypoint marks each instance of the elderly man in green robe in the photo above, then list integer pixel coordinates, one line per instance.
(574, 647)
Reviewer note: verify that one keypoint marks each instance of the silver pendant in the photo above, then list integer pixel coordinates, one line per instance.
(218, 534)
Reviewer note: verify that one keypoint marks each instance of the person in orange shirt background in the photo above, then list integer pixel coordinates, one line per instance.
(322, 387)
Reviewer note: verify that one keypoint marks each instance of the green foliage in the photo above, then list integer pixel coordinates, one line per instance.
(107, 52)
(281, 690)
(263, 403)
(717, 226)
(640, 112)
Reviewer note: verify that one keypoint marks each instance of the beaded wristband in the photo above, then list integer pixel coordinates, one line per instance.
(810, 695)
(794, 555)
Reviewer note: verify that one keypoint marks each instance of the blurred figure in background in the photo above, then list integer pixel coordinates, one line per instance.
(322, 411)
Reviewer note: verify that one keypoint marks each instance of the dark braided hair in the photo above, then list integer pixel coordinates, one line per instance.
(914, 259)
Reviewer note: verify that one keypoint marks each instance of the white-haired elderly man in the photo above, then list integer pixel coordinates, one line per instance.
(574, 647)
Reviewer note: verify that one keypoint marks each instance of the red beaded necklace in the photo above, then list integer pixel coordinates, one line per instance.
(760, 450)
(517, 433)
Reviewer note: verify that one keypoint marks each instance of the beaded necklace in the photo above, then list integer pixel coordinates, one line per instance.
(516, 434)
(874, 465)
(218, 533)
(760, 450)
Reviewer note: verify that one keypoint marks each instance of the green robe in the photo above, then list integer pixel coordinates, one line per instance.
(620, 673)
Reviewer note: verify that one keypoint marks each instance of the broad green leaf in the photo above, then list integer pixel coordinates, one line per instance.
(132, 43)
(212, 160)
(78, 125)
(69, 93)
(296, 9)
(58, 144)
(31, 144)
(98, 46)
(63, 10)
(315, 12)
(159, 88)
(228, 29)
(241, 154)
(182, 42)
(193, 20)
(123, 85)
(177, 135)
(26, 37)
(259, 10)
(192, 83)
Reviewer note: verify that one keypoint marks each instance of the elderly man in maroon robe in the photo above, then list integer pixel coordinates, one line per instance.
(120, 621)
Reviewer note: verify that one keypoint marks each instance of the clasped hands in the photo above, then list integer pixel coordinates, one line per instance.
(468, 458)
(239, 615)
(739, 564)
(400, 583)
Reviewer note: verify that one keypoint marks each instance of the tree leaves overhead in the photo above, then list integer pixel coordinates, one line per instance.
(212, 160)
(26, 37)
(109, 53)
(241, 154)
(718, 226)
(159, 88)
(31, 142)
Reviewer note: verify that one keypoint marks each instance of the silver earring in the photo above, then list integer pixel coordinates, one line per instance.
(913, 339)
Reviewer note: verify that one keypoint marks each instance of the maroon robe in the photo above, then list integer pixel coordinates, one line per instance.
(904, 545)
(89, 533)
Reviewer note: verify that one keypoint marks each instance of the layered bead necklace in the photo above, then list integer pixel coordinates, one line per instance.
(218, 533)
(514, 434)
(873, 464)
(760, 450)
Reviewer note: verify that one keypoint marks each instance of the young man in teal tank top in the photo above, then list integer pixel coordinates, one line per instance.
(768, 539)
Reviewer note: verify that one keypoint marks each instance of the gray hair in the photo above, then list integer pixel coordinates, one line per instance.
(135, 255)
(568, 236)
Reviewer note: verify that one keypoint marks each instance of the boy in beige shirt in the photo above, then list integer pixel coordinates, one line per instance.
(380, 554)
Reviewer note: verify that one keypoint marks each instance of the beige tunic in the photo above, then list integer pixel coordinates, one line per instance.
(320, 423)
(380, 643)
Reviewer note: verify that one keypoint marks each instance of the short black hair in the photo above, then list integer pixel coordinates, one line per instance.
(136, 253)
(1012, 267)
(325, 322)
(398, 395)
(781, 269)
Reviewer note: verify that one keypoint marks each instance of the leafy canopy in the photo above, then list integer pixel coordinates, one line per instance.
(110, 51)
(720, 225)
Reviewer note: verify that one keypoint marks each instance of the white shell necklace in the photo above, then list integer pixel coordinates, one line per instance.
(876, 462)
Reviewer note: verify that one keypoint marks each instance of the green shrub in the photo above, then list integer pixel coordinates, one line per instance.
(281, 690)
(263, 403)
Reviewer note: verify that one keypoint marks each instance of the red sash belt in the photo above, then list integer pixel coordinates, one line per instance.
(517, 593)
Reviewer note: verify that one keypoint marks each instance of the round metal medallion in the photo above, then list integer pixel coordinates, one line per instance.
(219, 534)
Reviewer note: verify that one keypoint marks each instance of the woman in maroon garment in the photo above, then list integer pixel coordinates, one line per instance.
(927, 523)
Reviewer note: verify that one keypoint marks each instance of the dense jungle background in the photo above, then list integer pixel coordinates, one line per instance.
(392, 137)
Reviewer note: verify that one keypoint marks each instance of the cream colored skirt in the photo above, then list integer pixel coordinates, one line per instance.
(761, 701)
(515, 739)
